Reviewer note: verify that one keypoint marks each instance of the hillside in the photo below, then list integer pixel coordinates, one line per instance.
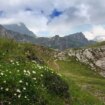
(48, 72)
(98, 44)
(26, 80)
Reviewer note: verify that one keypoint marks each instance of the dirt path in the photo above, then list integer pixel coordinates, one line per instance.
(56, 65)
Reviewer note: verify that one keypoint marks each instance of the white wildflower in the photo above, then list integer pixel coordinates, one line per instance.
(17, 70)
(7, 70)
(24, 88)
(4, 81)
(34, 72)
(41, 75)
(24, 71)
(3, 53)
(27, 83)
(18, 90)
(33, 61)
(7, 89)
(34, 78)
(17, 63)
(15, 94)
(11, 61)
(10, 72)
(28, 72)
(20, 81)
(25, 97)
(60, 75)
(9, 103)
(19, 95)
(1, 88)
(2, 73)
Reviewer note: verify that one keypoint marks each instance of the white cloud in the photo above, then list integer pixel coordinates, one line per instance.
(96, 33)
(75, 13)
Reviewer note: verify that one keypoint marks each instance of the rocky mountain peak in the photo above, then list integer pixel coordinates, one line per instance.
(20, 28)
(56, 37)
(1, 27)
(78, 36)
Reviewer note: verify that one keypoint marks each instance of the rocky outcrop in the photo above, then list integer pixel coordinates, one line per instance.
(95, 57)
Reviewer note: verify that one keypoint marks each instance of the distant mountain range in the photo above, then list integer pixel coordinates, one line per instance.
(20, 28)
(22, 33)
(71, 41)
(15, 35)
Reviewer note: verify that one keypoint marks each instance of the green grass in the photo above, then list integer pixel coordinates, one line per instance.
(98, 44)
(23, 76)
(87, 87)
(22, 83)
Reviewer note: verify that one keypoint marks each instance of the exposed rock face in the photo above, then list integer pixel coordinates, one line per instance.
(15, 35)
(95, 57)
(101, 63)
(71, 41)
(20, 28)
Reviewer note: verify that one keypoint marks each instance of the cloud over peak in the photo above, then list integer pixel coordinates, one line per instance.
(49, 17)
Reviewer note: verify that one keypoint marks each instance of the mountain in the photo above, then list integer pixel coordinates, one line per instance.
(76, 40)
(20, 28)
(71, 41)
(15, 35)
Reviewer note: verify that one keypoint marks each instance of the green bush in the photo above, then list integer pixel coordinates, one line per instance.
(55, 84)
(21, 83)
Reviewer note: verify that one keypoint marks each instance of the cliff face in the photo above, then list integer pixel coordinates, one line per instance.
(15, 35)
(76, 40)
(19, 28)
(94, 57)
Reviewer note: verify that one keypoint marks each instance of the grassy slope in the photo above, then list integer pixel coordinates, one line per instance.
(86, 86)
(98, 44)
(22, 81)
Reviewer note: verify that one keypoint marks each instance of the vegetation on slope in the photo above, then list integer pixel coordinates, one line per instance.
(25, 82)
(98, 44)
(86, 87)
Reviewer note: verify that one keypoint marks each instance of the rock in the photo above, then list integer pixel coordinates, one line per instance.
(94, 57)
(101, 63)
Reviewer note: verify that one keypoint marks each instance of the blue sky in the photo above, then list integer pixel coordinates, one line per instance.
(62, 17)
(55, 13)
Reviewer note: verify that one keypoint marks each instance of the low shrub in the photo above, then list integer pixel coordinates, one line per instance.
(55, 84)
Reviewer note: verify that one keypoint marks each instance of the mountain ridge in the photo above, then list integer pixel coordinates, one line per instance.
(76, 40)
(20, 28)
(70, 41)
